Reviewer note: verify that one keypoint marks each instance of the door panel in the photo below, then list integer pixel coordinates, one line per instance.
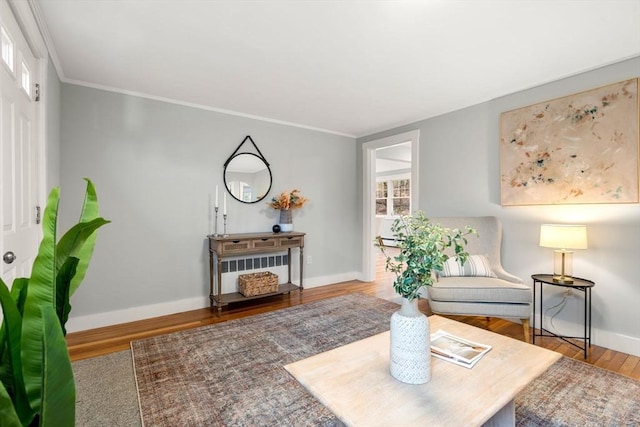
(19, 156)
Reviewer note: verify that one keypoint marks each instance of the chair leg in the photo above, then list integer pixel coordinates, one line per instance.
(525, 327)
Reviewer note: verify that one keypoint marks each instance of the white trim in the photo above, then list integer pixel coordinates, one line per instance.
(600, 337)
(29, 27)
(201, 107)
(47, 41)
(132, 314)
(369, 181)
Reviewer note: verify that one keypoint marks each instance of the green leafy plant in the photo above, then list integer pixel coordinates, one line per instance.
(36, 380)
(423, 246)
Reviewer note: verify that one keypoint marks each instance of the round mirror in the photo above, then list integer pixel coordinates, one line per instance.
(247, 177)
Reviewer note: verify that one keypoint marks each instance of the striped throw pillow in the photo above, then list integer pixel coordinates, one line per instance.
(476, 266)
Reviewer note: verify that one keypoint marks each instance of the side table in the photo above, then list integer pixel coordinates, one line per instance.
(582, 285)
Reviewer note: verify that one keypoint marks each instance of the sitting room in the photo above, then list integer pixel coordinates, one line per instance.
(258, 166)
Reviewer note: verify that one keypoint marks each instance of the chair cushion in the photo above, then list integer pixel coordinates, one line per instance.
(475, 266)
(520, 311)
(480, 289)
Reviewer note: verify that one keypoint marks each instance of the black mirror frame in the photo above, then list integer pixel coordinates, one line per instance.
(259, 156)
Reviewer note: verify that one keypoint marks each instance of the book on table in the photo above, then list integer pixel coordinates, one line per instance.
(457, 350)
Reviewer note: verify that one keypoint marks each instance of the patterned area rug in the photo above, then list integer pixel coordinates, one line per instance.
(231, 374)
(574, 393)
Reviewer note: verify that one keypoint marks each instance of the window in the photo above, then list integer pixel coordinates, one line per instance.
(7, 48)
(381, 198)
(401, 197)
(26, 79)
(393, 197)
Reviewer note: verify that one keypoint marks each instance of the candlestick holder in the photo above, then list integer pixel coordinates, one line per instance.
(224, 216)
(215, 233)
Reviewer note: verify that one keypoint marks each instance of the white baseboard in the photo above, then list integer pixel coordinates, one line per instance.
(132, 314)
(599, 337)
(109, 318)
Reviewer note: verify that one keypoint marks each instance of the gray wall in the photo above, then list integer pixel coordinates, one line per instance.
(155, 166)
(459, 176)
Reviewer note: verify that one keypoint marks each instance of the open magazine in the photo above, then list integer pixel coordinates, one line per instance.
(457, 350)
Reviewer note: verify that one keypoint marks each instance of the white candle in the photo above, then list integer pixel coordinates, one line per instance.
(216, 196)
(211, 215)
(224, 212)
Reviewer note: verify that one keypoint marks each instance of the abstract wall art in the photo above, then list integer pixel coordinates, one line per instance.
(581, 148)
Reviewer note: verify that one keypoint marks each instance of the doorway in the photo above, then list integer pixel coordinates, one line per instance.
(392, 164)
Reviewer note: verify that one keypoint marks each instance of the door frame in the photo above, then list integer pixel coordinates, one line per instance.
(28, 15)
(368, 190)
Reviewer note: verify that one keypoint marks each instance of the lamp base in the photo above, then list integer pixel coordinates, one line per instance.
(563, 279)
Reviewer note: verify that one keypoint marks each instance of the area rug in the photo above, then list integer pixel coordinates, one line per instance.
(574, 393)
(231, 374)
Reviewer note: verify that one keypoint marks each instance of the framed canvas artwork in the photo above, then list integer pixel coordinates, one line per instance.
(581, 148)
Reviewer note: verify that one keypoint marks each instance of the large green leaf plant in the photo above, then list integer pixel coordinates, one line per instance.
(36, 380)
(423, 249)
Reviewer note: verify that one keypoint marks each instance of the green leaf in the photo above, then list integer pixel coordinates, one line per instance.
(18, 294)
(63, 308)
(89, 213)
(8, 416)
(58, 387)
(422, 246)
(40, 292)
(13, 323)
(70, 245)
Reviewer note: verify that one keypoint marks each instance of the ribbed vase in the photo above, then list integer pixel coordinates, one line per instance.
(286, 220)
(410, 344)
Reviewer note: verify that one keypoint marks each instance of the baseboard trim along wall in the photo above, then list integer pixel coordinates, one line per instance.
(599, 337)
(132, 314)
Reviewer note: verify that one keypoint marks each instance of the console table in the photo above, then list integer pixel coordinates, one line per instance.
(234, 245)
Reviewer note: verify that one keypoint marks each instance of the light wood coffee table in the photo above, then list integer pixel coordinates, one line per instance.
(354, 382)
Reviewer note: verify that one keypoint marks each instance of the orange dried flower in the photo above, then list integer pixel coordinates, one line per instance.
(288, 200)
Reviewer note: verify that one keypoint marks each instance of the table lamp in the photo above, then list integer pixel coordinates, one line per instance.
(563, 238)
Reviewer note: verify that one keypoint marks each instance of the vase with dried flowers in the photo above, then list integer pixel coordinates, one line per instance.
(286, 202)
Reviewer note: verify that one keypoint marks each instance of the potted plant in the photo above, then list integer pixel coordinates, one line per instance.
(36, 379)
(286, 202)
(423, 247)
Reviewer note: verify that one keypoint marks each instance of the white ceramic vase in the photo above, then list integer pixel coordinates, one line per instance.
(410, 344)
(286, 220)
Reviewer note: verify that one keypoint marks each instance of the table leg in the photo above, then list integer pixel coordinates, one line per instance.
(534, 312)
(589, 290)
(504, 417)
(211, 278)
(301, 266)
(219, 277)
(289, 261)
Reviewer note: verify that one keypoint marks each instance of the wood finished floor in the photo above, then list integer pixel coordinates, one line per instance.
(96, 342)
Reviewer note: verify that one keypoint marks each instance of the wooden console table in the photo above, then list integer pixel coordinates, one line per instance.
(234, 245)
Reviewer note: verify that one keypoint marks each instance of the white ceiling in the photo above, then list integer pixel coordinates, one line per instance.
(348, 67)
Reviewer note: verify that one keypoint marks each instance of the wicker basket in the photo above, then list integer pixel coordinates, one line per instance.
(254, 284)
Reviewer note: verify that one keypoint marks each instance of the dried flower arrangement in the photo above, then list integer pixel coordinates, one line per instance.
(288, 200)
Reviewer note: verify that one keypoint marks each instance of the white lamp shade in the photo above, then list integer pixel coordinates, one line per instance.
(563, 236)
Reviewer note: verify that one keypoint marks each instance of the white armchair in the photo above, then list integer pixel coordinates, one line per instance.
(502, 296)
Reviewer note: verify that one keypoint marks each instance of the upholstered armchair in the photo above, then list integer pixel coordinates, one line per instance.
(481, 287)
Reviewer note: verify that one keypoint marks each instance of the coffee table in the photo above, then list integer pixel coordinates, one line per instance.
(353, 381)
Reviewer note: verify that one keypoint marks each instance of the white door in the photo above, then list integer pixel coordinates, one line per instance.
(19, 152)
